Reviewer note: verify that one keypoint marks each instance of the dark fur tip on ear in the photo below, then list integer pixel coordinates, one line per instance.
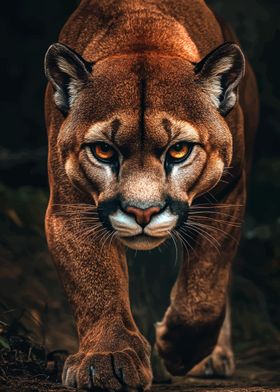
(220, 73)
(68, 73)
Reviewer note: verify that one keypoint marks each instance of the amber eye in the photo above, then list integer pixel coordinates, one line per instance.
(179, 151)
(104, 152)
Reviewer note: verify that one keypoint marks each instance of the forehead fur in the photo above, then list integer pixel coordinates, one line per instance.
(119, 83)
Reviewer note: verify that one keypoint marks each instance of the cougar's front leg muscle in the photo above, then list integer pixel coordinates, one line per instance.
(97, 286)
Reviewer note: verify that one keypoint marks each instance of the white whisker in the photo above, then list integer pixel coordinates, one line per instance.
(213, 228)
(184, 243)
(185, 233)
(212, 240)
(175, 246)
(221, 221)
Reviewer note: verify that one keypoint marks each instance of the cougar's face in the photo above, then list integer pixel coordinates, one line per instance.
(144, 144)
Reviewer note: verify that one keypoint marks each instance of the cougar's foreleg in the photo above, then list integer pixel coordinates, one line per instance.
(112, 352)
(191, 326)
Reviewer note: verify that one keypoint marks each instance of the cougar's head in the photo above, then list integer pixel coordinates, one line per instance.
(144, 134)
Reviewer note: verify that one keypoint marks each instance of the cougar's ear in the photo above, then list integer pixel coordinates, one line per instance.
(219, 74)
(68, 73)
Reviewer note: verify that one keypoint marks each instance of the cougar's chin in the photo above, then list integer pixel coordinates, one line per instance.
(142, 242)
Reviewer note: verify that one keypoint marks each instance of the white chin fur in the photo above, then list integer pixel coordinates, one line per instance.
(154, 234)
(142, 242)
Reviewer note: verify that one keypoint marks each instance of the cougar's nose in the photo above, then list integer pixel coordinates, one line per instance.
(143, 216)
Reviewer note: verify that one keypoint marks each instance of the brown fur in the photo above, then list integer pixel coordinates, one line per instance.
(141, 91)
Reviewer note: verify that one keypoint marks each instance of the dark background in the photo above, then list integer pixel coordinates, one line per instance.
(31, 299)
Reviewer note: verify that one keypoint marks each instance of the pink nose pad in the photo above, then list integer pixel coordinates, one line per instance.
(143, 217)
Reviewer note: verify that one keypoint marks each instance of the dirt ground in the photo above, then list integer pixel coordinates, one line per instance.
(258, 370)
(29, 385)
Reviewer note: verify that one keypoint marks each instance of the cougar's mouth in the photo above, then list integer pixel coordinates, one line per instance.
(143, 237)
(142, 225)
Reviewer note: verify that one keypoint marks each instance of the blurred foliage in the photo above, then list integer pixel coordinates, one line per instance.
(31, 298)
(32, 302)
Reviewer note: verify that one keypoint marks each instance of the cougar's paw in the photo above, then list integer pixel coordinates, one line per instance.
(219, 364)
(182, 346)
(113, 371)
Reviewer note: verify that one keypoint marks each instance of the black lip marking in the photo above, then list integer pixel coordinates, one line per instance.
(107, 208)
(179, 208)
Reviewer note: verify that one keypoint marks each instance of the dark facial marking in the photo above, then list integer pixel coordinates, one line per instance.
(179, 208)
(143, 87)
(167, 127)
(115, 127)
(107, 208)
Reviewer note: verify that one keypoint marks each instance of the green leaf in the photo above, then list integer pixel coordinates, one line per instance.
(4, 343)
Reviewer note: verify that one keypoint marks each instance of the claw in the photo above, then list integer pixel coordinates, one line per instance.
(118, 373)
(92, 373)
(208, 370)
(121, 376)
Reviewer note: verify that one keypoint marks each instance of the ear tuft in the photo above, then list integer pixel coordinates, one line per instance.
(68, 73)
(220, 73)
